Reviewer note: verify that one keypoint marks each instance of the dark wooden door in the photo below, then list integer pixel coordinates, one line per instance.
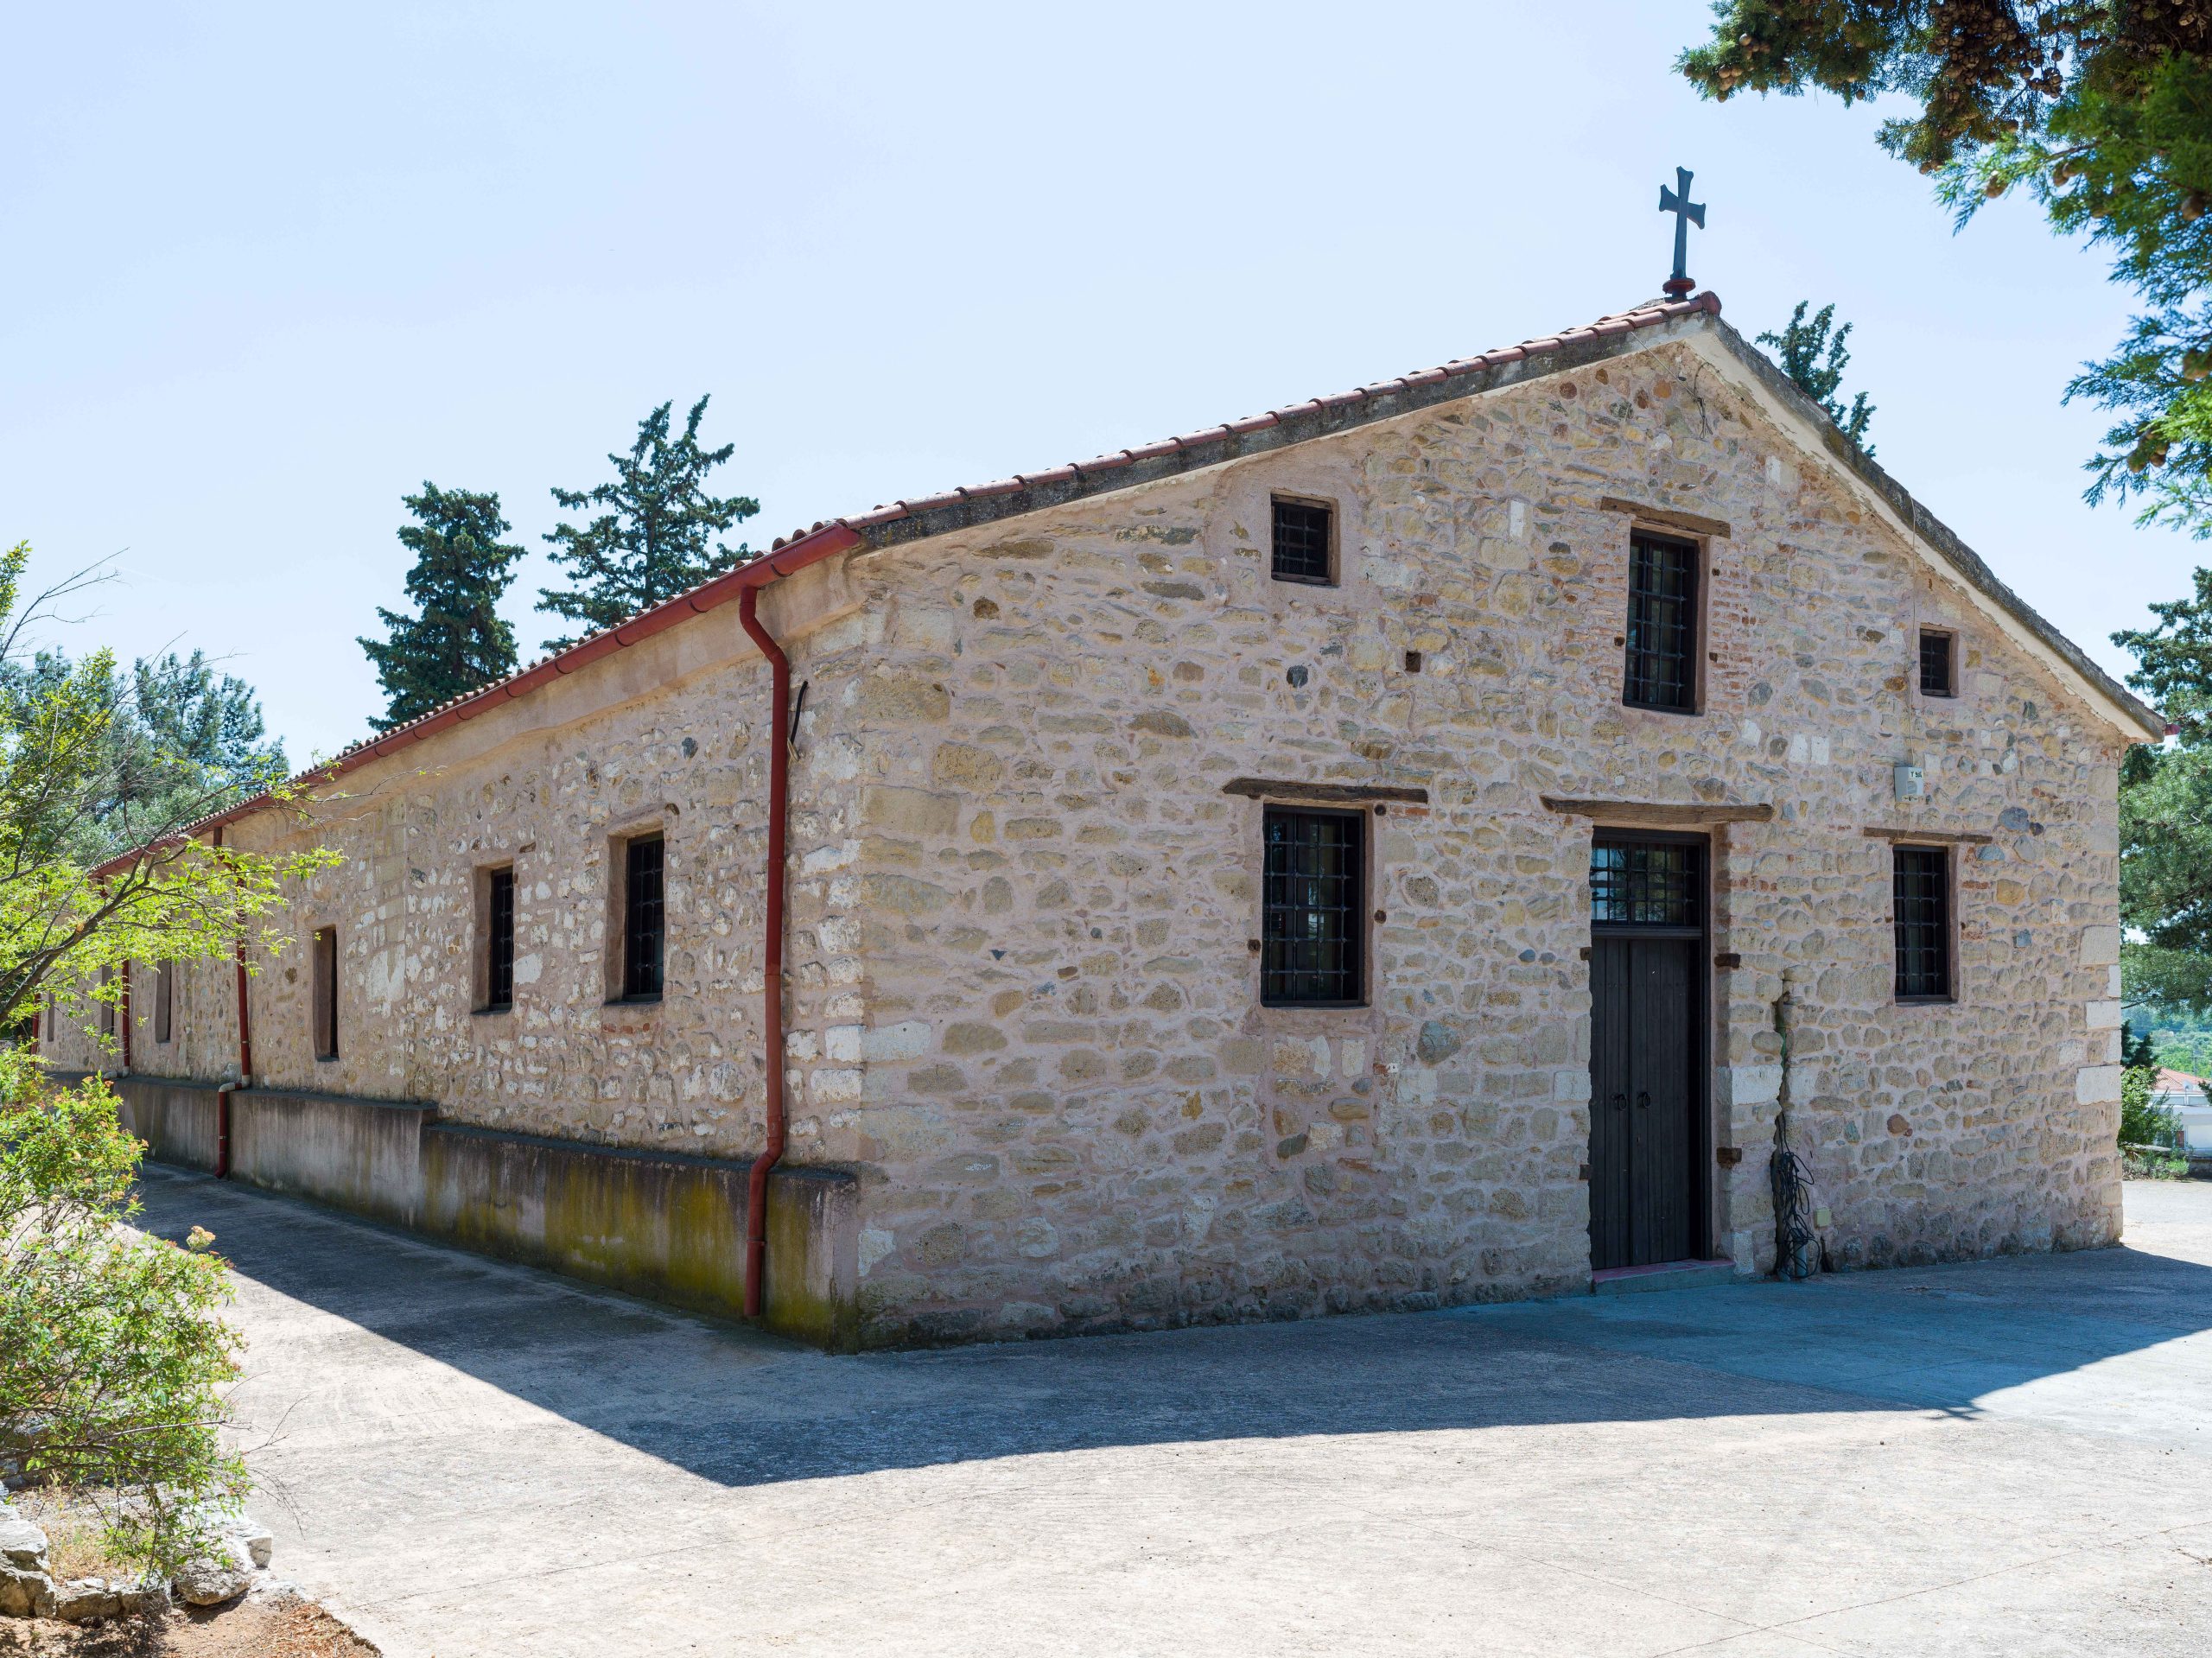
(1645, 1057)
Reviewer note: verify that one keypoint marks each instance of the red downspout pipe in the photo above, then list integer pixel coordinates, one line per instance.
(246, 1061)
(772, 951)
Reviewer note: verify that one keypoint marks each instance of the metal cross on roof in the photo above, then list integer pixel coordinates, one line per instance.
(1687, 212)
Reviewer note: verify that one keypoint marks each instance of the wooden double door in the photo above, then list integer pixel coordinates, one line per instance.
(1648, 1129)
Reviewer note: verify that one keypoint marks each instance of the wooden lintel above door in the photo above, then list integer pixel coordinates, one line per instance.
(1649, 814)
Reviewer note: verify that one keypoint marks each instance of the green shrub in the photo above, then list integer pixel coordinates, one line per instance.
(112, 1360)
(2143, 1122)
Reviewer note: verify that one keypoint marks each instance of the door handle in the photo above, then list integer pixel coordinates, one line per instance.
(1643, 1099)
(1620, 1102)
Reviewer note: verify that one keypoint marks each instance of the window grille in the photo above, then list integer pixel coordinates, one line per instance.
(1936, 677)
(164, 1002)
(499, 940)
(107, 1007)
(1303, 532)
(1646, 884)
(642, 918)
(324, 988)
(1662, 669)
(1921, 883)
(1311, 943)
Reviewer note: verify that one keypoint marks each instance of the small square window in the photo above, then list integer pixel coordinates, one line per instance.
(643, 918)
(1314, 883)
(1305, 542)
(1921, 888)
(325, 990)
(1938, 664)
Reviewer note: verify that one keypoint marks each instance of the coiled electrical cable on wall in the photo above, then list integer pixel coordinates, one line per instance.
(1797, 1244)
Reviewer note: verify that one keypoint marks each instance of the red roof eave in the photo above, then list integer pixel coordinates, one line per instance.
(823, 541)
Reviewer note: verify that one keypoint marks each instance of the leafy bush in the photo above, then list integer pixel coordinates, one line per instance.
(2143, 1120)
(113, 1361)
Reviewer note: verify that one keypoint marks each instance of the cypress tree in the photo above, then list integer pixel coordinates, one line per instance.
(1816, 359)
(653, 536)
(457, 643)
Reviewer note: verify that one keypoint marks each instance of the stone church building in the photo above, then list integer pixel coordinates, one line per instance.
(1361, 856)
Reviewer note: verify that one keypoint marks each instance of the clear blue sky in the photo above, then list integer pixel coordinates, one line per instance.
(268, 268)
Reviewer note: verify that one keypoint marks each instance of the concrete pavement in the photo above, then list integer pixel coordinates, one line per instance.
(2011, 1457)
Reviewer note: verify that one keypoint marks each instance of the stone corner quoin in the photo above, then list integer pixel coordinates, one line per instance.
(1025, 1007)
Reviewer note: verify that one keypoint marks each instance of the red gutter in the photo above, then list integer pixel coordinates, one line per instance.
(824, 542)
(245, 1060)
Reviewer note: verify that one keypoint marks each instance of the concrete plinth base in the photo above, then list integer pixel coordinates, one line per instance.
(662, 1225)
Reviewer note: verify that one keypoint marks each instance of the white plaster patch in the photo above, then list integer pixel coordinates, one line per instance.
(836, 855)
(2097, 1085)
(909, 1040)
(385, 980)
(842, 1043)
(875, 1243)
(1747, 1085)
(826, 1085)
(528, 967)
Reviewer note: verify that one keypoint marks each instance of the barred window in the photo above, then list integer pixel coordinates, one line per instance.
(1921, 884)
(164, 1002)
(1938, 667)
(500, 939)
(1661, 667)
(1303, 550)
(642, 918)
(1311, 939)
(1645, 884)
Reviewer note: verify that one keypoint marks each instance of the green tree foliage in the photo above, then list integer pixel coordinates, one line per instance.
(1816, 359)
(2102, 111)
(2166, 811)
(2143, 1120)
(112, 1360)
(654, 538)
(175, 740)
(455, 643)
(2189, 1054)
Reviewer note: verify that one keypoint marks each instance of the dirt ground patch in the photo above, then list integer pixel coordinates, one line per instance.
(280, 1626)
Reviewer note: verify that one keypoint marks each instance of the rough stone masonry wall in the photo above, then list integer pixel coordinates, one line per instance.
(1072, 1109)
(414, 833)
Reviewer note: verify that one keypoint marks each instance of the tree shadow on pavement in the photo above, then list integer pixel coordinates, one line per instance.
(743, 1409)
